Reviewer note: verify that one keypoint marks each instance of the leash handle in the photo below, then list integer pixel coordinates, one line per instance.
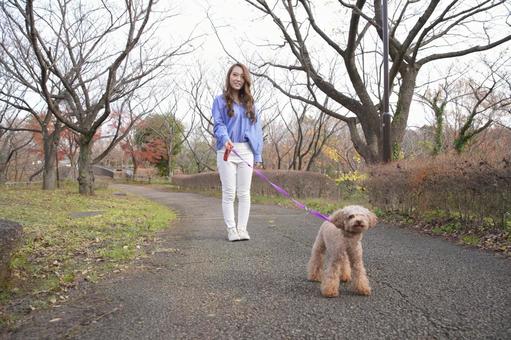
(226, 154)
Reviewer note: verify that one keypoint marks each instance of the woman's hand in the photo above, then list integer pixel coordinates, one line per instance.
(228, 145)
(258, 165)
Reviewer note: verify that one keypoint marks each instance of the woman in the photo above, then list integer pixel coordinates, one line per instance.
(237, 127)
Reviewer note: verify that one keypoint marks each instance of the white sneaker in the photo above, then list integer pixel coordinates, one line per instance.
(232, 235)
(243, 234)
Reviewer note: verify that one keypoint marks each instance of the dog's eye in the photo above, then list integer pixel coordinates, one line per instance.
(351, 216)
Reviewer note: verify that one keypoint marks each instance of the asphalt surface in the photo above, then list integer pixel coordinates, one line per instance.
(199, 286)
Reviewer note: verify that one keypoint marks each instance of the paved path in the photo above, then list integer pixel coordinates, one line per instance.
(203, 287)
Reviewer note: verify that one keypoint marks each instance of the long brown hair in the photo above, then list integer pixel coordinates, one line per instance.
(245, 94)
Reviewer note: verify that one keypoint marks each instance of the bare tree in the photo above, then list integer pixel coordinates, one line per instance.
(339, 155)
(69, 147)
(472, 102)
(10, 141)
(97, 54)
(277, 146)
(298, 136)
(199, 155)
(480, 108)
(421, 32)
(14, 97)
(437, 100)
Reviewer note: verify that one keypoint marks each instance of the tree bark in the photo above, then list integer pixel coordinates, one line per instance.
(50, 145)
(170, 171)
(439, 133)
(85, 174)
(4, 157)
(399, 122)
(3, 173)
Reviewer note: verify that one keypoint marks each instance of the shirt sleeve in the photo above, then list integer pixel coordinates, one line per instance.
(219, 127)
(258, 152)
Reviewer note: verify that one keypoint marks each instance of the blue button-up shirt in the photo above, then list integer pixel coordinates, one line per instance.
(238, 128)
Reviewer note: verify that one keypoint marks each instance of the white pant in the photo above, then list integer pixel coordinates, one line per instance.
(236, 177)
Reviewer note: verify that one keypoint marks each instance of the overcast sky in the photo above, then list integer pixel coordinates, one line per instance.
(236, 21)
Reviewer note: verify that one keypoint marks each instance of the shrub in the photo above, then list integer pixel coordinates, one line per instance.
(471, 190)
(351, 181)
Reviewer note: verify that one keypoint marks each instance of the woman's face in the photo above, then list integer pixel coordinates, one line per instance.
(236, 79)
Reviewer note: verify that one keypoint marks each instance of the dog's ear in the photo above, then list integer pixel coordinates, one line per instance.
(338, 218)
(372, 219)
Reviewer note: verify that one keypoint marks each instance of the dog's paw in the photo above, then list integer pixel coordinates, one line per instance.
(363, 290)
(329, 292)
(345, 278)
(314, 277)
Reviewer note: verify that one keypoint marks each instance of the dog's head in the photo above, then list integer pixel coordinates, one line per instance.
(353, 219)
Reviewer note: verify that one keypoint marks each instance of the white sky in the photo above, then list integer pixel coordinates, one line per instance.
(236, 21)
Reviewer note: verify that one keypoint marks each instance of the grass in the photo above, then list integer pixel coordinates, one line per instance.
(470, 240)
(323, 205)
(485, 235)
(59, 249)
(448, 228)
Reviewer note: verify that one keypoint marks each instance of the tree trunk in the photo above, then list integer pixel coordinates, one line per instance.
(369, 150)
(50, 145)
(135, 164)
(439, 133)
(3, 173)
(4, 158)
(170, 172)
(49, 170)
(73, 170)
(468, 132)
(405, 97)
(85, 174)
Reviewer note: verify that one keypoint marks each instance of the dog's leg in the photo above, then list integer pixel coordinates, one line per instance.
(330, 282)
(345, 267)
(360, 281)
(314, 268)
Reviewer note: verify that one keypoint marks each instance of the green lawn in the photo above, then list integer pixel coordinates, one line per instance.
(69, 238)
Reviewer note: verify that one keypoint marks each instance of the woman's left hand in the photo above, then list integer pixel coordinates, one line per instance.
(258, 165)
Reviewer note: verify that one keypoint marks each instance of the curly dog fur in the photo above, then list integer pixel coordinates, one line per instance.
(341, 240)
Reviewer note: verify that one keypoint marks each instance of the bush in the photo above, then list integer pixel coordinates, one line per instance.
(472, 190)
(351, 182)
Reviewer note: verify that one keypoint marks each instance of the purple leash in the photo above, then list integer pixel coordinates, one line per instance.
(284, 192)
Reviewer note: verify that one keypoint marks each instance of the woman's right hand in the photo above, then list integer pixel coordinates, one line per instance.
(229, 145)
